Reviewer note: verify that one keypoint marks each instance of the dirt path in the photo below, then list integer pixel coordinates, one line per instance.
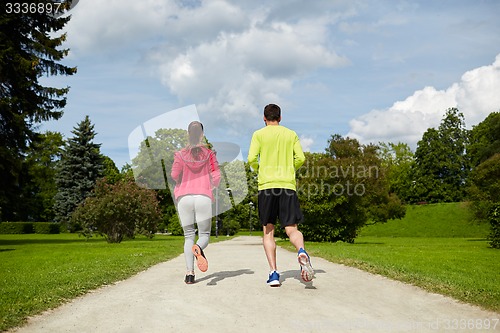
(232, 296)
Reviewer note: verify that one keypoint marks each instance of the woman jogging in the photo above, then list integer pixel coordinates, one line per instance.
(196, 173)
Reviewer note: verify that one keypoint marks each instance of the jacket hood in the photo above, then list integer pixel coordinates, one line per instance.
(197, 162)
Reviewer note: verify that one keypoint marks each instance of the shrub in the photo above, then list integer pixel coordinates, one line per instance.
(16, 228)
(29, 228)
(174, 226)
(229, 227)
(46, 228)
(118, 211)
(494, 218)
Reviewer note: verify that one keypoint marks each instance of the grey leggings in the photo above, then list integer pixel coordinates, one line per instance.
(195, 209)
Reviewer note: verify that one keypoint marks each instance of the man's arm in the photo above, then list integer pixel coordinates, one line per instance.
(298, 154)
(253, 153)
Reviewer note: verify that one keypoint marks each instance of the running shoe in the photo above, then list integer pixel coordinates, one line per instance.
(201, 260)
(189, 279)
(306, 270)
(274, 279)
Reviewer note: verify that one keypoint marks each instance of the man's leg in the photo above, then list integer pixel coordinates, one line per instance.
(295, 236)
(270, 245)
(297, 240)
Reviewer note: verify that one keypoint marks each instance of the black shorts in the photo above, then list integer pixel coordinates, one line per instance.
(279, 203)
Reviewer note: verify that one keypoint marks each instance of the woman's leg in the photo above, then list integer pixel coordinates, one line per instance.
(185, 208)
(203, 209)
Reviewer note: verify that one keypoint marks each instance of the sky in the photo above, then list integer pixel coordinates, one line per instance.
(377, 71)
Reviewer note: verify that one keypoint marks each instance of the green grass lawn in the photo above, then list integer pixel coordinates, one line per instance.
(465, 269)
(435, 247)
(39, 272)
(447, 220)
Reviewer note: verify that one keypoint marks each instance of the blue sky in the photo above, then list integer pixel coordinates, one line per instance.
(372, 70)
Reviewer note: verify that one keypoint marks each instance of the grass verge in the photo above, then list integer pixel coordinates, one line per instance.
(40, 272)
(465, 269)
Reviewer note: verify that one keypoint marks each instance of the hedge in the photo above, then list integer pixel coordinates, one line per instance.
(29, 228)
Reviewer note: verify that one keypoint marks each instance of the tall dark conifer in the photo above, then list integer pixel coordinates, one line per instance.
(29, 49)
(80, 166)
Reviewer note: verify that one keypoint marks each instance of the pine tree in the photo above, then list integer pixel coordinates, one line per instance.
(80, 166)
(29, 49)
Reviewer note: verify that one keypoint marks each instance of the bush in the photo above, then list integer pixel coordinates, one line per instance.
(46, 228)
(494, 218)
(29, 228)
(118, 211)
(174, 226)
(230, 227)
(16, 228)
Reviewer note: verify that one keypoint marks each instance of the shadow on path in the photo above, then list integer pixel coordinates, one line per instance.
(219, 276)
(295, 274)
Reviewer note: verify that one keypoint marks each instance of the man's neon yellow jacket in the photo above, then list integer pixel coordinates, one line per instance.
(275, 152)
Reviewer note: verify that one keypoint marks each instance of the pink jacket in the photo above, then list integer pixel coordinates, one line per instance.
(198, 175)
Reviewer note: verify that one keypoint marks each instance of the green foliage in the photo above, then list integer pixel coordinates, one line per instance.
(342, 190)
(484, 187)
(484, 139)
(30, 49)
(398, 160)
(39, 172)
(484, 180)
(229, 227)
(29, 228)
(174, 226)
(154, 160)
(441, 166)
(118, 211)
(78, 170)
(494, 217)
(16, 228)
(110, 171)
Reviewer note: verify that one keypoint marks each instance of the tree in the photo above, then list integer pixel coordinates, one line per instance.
(39, 173)
(154, 160)
(80, 166)
(110, 171)
(398, 160)
(484, 187)
(29, 49)
(441, 165)
(484, 180)
(118, 211)
(484, 139)
(342, 190)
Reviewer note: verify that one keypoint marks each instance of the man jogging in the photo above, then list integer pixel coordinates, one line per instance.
(275, 152)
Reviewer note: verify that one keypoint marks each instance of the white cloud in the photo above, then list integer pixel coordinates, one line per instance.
(306, 142)
(476, 96)
(239, 70)
(226, 57)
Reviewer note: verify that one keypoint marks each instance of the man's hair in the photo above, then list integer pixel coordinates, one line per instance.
(272, 112)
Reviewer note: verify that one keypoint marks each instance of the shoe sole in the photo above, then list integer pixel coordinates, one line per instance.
(201, 261)
(307, 272)
(274, 284)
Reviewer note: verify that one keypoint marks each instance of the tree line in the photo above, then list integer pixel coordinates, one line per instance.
(69, 181)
